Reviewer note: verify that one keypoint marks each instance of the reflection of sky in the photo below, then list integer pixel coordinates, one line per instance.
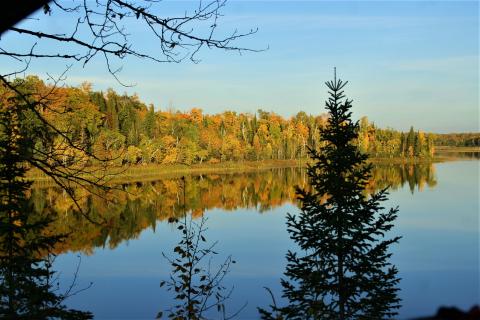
(438, 256)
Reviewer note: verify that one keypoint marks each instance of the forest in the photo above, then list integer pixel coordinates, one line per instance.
(123, 128)
(469, 139)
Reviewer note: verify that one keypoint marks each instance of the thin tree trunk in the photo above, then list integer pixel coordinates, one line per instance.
(341, 287)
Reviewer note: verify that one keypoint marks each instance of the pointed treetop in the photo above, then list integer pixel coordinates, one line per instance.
(336, 85)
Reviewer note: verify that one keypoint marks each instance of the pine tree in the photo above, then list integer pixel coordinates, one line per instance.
(98, 99)
(342, 271)
(149, 123)
(112, 111)
(418, 146)
(27, 289)
(402, 145)
(411, 143)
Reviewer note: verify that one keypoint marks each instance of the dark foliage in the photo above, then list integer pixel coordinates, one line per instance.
(458, 139)
(453, 313)
(196, 284)
(342, 270)
(27, 286)
(108, 29)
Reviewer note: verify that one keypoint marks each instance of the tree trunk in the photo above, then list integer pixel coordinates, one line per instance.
(341, 286)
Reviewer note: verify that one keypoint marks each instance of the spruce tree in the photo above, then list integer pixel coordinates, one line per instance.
(411, 142)
(402, 145)
(149, 123)
(27, 286)
(342, 270)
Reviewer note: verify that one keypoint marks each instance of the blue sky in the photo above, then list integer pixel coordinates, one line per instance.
(408, 63)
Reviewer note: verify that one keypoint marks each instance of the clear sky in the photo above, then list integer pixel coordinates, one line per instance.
(408, 63)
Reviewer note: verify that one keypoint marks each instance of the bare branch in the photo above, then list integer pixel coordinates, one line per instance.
(103, 27)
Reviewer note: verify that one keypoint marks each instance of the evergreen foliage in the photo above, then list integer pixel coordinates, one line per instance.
(343, 269)
(389, 143)
(27, 290)
(458, 139)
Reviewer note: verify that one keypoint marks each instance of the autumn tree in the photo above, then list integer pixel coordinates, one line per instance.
(27, 289)
(65, 150)
(102, 29)
(108, 124)
(343, 269)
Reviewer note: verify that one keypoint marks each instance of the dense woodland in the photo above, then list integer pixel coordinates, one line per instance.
(124, 128)
(458, 139)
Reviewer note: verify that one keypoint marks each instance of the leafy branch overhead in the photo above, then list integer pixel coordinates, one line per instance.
(28, 286)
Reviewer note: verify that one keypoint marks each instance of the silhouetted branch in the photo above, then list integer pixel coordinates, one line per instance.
(104, 27)
(197, 286)
(57, 144)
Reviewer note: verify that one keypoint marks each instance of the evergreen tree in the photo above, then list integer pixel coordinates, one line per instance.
(149, 122)
(98, 99)
(112, 110)
(254, 127)
(27, 290)
(418, 146)
(410, 143)
(342, 271)
(402, 145)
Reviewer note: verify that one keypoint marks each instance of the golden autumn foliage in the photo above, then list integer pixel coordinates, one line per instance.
(126, 212)
(123, 128)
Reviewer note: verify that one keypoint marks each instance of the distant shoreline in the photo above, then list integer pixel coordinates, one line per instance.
(456, 149)
(155, 171)
(150, 172)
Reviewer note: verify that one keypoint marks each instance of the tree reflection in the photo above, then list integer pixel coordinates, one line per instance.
(28, 289)
(196, 284)
(398, 175)
(137, 206)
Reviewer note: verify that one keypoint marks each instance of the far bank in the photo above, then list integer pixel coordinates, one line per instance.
(150, 172)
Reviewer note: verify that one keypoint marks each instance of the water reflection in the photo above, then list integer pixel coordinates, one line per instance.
(137, 206)
(417, 176)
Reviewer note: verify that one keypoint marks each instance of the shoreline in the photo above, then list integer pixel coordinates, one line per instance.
(456, 149)
(150, 172)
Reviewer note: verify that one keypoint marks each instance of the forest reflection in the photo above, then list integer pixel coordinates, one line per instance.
(126, 212)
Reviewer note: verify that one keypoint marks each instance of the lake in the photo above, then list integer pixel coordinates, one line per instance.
(437, 257)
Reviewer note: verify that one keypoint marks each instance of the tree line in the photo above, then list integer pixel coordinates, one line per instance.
(122, 127)
(458, 139)
(390, 143)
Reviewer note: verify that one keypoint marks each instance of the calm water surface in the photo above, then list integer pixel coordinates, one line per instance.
(438, 256)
